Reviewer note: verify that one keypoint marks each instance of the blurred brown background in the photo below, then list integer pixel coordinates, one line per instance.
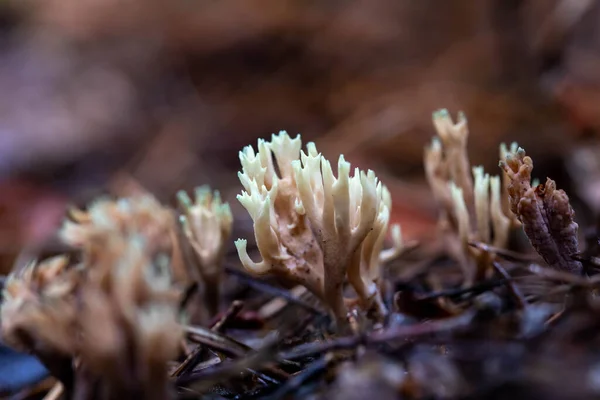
(166, 92)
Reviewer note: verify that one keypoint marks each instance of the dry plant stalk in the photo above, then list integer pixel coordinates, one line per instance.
(207, 224)
(313, 228)
(544, 211)
(470, 205)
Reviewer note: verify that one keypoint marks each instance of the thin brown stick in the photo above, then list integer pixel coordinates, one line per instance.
(506, 254)
(191, 359)
(510, 285)
(55, 392)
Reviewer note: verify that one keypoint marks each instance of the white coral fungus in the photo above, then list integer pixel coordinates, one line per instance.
(207, 224)
(314, 228)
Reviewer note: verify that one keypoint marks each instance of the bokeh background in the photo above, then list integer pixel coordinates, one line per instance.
(98, 96)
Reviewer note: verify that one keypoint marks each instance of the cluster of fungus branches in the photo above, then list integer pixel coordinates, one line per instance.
(314, 228)
(469, 200)
(107, 322)
(484, 209)
(110, 319)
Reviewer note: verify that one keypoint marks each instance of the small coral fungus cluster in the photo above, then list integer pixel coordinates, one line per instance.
(314, 228)
(482, 209)
(471, 207)
(108, 319)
